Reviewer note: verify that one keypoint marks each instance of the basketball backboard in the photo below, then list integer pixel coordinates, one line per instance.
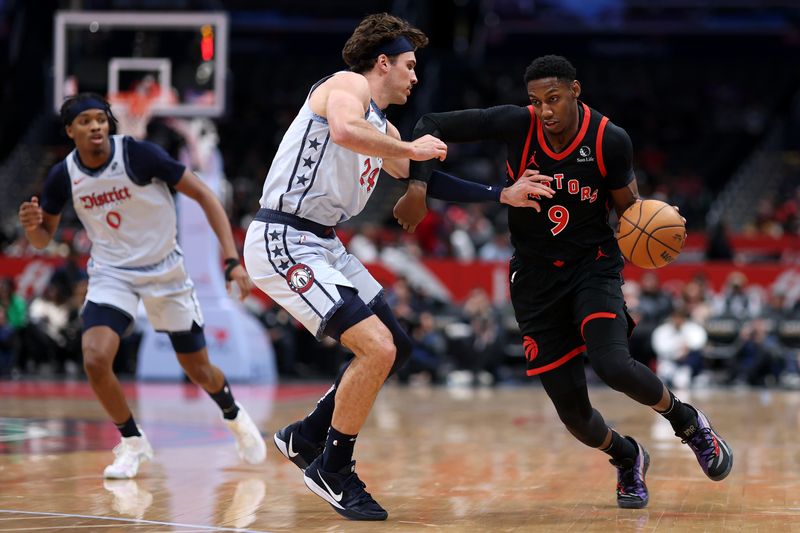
(177, 59)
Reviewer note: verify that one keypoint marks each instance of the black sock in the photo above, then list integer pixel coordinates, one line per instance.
(224, 398)
(680, 415)
(128, 428)
(338, 451)
(314, 427)
(620, 448)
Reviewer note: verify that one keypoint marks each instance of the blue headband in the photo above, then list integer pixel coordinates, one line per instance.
(394, 47)
(84, 105)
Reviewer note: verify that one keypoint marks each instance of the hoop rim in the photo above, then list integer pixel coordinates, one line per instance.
(134, 103)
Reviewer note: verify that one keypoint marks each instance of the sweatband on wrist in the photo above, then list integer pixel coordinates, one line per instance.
(449, 188)
(230, 264)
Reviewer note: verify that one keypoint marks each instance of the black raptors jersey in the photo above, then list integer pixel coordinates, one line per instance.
(575, 220)
(598, 159)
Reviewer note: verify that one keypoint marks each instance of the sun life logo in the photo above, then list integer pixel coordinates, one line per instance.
(585, 154)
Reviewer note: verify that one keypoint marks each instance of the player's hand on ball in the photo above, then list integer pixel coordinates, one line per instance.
(30, 214)
(243, 283)
(531, 186)
(411, 208)
(678, 209)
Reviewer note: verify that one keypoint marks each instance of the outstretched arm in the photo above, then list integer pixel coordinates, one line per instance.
(343, 100)
(502, 123)
(522, 193)
(194, 188)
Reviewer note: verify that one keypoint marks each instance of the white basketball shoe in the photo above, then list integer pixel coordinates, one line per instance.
(130, 453)
(249, 442)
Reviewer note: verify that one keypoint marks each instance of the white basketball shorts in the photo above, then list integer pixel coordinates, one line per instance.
(165, 288)
(300, 272)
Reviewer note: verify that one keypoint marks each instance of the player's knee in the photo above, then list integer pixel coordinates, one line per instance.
(97, 361)
(383, 353)
(400, 338)
(607, 349)
(614, 367)
(375, 349)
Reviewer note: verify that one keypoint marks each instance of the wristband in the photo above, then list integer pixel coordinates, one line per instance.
(230, 264)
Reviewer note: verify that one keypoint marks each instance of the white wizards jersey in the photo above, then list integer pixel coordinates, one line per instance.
(316, 179)
(129, 225)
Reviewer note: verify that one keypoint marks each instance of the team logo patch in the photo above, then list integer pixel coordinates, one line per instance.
(531, 348)
(300, 278)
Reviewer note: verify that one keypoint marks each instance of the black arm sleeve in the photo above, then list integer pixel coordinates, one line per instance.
(56, 190)
(618, 157)
(501, 123)
(452, 189)
(146, 160)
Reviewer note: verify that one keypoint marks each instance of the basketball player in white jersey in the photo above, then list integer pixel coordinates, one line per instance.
(120, 189)
(325, 170)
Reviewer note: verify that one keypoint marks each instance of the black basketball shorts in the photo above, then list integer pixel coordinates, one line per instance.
(553, 304)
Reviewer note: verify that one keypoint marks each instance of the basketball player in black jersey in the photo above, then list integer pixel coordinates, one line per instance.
(565, 274)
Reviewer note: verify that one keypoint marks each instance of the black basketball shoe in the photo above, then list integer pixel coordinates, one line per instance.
(344, 491)
(713, 453)
(295, 447)
(631, 488)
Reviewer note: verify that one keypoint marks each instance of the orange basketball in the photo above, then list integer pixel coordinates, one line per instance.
(651, 234)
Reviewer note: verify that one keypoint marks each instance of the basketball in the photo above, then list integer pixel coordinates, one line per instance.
(651, 234)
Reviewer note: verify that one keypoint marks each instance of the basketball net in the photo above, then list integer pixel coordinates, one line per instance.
(133, 110)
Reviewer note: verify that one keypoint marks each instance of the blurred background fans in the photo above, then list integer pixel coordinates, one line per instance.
(708, 91)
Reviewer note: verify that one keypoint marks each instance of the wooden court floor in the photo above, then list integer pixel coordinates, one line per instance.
(437, 459)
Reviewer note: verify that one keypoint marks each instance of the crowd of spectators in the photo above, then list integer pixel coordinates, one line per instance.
(684, 153)
(690, 334)
(777, 215)
(743, 334)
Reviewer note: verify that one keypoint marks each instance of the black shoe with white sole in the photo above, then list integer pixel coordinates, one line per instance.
(344, 491)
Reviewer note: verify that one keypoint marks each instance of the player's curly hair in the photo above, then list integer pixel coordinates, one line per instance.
(359, 52)
(551, 66)
(72, 101)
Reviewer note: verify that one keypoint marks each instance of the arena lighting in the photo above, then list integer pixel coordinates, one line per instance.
(207, 42)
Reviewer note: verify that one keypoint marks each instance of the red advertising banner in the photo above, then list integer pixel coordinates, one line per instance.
(32, 274)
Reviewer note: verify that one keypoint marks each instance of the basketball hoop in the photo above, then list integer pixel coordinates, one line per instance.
(133, 111)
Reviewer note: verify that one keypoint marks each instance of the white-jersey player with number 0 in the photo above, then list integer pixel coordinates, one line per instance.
(121, 191)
